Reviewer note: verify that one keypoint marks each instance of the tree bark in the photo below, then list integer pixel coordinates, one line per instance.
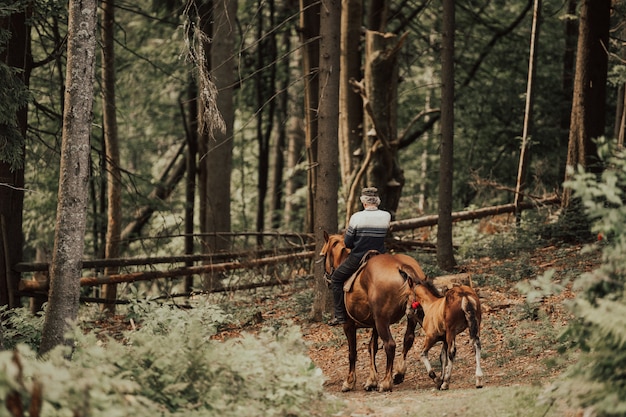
(218, 159)
(350, 102)
(65, 269)
(328, 160)
(589, 100)
(528, 110)
(445, 250)
(381, 124)
(310, 31)
(113, 172)
(17, 55)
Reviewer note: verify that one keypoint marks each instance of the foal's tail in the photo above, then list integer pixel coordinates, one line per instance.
(470, 305)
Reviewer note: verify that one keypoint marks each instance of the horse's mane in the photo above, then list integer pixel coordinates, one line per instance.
(431, 288)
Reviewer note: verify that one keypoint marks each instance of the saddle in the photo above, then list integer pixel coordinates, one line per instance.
(347, 286)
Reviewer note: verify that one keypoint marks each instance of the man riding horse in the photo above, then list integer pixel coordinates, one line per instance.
(366, 231)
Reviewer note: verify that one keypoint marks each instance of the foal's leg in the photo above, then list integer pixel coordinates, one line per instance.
(479, 371)
(349, 329)
(429, 342)
(372, 380)
(390, 350)
(449, 351)
(409, 338)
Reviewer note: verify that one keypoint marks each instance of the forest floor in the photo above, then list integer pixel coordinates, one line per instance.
(520, 345)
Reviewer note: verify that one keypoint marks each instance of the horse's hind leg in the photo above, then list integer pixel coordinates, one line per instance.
(448, 353)
(372, 380)
(479, 371)
(409, 338)
(349, 328)
(390, 351)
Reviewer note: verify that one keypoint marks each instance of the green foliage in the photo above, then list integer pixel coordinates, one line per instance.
(19, 326)
(597, 380)
(170, 366)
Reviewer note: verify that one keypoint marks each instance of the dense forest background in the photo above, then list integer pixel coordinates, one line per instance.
(254, 168)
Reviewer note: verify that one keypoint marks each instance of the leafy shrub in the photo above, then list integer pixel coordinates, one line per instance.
(597, 379)
(19, 326)
(169, 366)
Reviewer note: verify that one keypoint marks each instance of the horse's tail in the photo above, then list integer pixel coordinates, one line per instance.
(470, 305)
(409, 275)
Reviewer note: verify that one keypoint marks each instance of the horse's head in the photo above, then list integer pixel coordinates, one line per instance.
(334, 252)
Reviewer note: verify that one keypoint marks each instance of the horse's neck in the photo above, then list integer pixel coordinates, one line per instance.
(427, 299)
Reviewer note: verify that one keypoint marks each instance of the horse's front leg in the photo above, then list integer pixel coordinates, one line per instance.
(372, 381)
(409, 338)
(349, 329)
(428, 344)
(390, 350)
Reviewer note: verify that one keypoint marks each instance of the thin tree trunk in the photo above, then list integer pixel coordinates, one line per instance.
(445, 250)
(528, 110)
(350, 103)
(191, 135)
(67, 255)
(310, 30)
(328, 159)
(113, 172)
(295, 145)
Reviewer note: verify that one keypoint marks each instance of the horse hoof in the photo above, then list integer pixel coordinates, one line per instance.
(479, 383)
(370, 388)
(444, 386)
(347, 387)
(398, 379)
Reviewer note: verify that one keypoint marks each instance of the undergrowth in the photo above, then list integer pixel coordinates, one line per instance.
(169, 365)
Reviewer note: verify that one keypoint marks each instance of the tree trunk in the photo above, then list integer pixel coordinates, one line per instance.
(295, 177)
(445, 250)
(310, 31)
(265, 80)
(67, 255)
(381, 92)
(569, 61)
(328, 160)
(17, 55)
(589, 99)
(528, 110)
(350, 103)
(191, 168)
(113, 172)
(218, 159)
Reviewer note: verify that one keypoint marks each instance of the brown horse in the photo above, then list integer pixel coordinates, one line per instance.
(444, 318)
(379, 297)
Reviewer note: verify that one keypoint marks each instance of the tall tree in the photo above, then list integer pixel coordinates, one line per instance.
(66, 266)
(310, 31)
(589, 101)
(528, 111)
(218, 159)
(265, 80)
(15, 70)
(350, 103)
(112, 151)
(445, 250)
(328, 160)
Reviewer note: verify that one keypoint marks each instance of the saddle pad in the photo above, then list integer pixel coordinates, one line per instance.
(347, 286)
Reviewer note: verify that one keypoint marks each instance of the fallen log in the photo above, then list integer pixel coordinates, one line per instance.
(432, 220)
(31, 285)
(445, 282)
